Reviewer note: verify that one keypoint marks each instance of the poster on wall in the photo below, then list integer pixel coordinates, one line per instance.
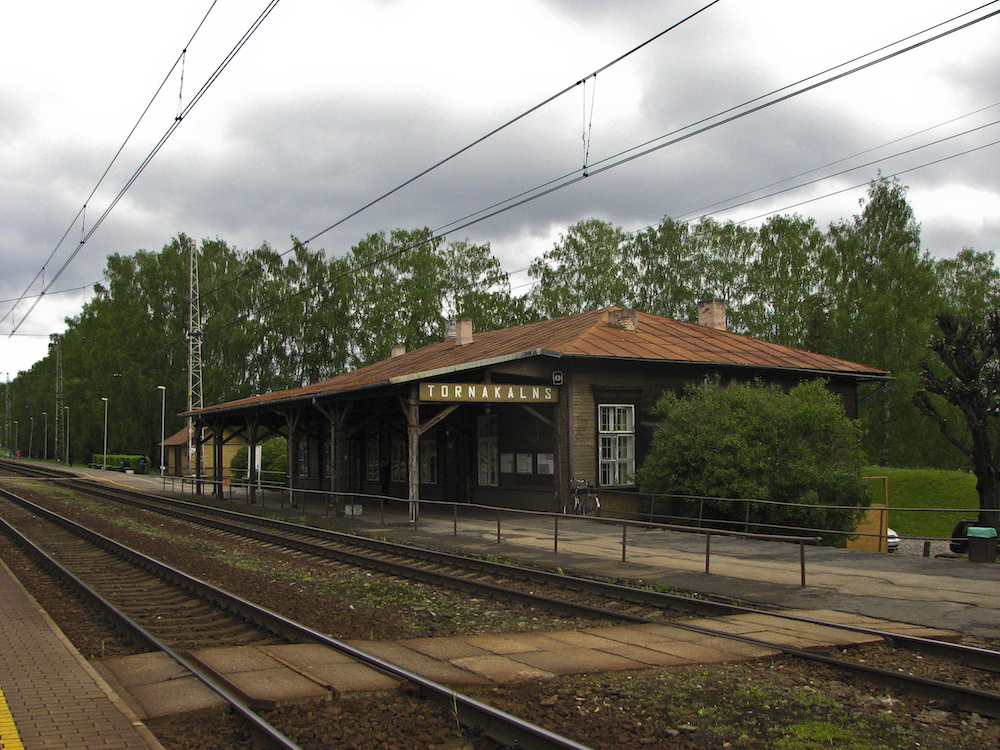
(524, 463)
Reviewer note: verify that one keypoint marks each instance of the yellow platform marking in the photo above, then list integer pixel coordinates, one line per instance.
(9, 738)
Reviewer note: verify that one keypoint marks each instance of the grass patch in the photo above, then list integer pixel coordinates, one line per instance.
(926, 502)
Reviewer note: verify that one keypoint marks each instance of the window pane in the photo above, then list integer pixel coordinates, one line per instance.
(616, 425)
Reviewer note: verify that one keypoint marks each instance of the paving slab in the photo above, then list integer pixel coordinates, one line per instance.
(339, 671)
(695, 653)
(646, 656)
(502, 669)
(447, 673)
(510, 643)
(444, 649)
(174, 697)
(261, 680)
(52, 696)
(577, 661)
(155, 685)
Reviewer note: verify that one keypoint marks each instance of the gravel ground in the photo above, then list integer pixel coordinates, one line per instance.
(778, 703)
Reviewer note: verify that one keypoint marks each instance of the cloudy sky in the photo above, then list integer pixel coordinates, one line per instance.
(329, 105)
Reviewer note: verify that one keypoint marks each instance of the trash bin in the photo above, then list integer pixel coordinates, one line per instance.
(982, 544)
(960, 536)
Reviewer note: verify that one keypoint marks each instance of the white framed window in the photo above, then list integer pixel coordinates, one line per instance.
(398, 457)
(372, 458)
(616, 437)
(487, 433)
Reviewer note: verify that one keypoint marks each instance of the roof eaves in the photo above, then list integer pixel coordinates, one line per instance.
(473, 365)
(858, 375)
(399, 379)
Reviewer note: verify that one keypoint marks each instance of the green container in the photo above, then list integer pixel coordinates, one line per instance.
(982, 532)
(982, 544)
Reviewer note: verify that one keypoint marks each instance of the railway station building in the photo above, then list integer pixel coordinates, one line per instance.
(509, 417)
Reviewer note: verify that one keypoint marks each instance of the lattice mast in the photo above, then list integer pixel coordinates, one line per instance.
(60, 425)
(6, 415)
(195, 399)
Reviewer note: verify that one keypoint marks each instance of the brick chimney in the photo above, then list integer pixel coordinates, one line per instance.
(460, 330)
(463, 332)
(712, 314)
(625, 319)
(398, 350)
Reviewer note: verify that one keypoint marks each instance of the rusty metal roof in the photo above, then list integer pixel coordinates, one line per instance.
(588, 334)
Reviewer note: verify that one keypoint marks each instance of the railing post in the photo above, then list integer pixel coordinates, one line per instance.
(708, 551)
(454, 531)
(802, 562)
(498, 526)
(555, 534)
(746, 518)
(381, 508)
(624, 538)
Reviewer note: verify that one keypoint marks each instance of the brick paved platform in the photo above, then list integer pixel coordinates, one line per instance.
(51, 697)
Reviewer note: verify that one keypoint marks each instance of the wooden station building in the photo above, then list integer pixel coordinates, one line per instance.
(509, 417)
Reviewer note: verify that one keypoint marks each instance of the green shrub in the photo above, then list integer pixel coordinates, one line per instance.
(274, 460)
(119, 461)
(758, 442)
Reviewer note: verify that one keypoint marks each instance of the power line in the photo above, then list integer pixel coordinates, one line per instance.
(634, 153)
(114, 159)
(628, 155)
(156, 149)
(481, 139)
(699, 211)
(706, 124)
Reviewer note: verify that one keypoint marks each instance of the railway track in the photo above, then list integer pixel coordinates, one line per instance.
(162, 608)
(626, 603)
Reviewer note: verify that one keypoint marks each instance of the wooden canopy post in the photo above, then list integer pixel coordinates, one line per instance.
(252, 468)
(413, 452)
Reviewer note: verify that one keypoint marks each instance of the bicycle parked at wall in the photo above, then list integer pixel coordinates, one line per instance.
(583, 500)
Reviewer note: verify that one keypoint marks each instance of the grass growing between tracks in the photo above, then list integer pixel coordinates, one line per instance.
(755, 706)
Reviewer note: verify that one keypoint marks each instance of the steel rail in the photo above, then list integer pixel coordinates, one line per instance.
(971, 699)
(494, 723)
(972, 656)
(142, 637)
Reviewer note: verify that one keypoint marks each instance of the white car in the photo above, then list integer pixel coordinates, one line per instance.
(892, 540)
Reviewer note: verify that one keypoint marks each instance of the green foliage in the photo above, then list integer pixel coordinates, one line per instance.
(755, 441)
(273, 459)
(965, 375)
(862, 291)
(119, 462)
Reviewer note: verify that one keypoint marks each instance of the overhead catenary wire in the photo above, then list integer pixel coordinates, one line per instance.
(729, 115)
(463, 224)
(702, 209)
(156, 149)
(631, 154)
(500, 128)
(81, 215)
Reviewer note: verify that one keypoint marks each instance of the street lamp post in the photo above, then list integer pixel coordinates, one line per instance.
(67, 434)
(31, 435)
(104, 456)
(16, 433)
(46, 451)
(163, 416)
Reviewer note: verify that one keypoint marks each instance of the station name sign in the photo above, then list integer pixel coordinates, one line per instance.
(489, 393)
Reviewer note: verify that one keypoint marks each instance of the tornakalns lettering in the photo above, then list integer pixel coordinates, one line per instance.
(488, 393)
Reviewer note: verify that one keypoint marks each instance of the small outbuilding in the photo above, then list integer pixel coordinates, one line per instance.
(509, 417)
